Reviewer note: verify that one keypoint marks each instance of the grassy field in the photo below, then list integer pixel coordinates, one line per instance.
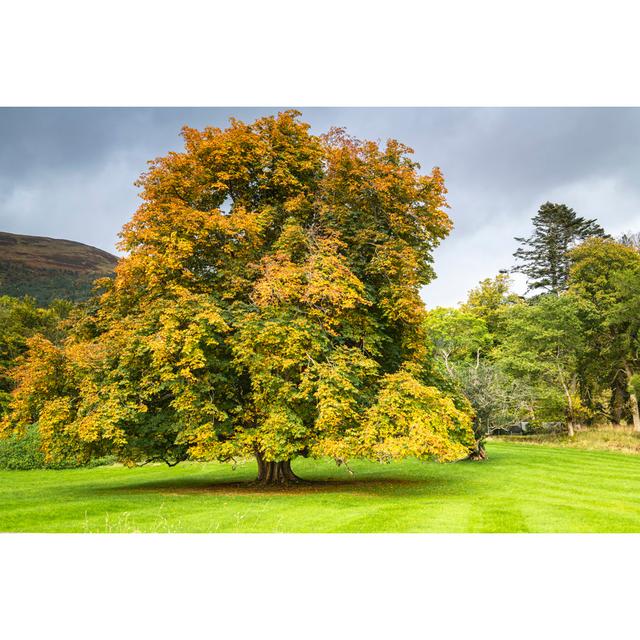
(521, 488)
(605, 438)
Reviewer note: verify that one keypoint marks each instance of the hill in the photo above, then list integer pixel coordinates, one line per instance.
(47, 268)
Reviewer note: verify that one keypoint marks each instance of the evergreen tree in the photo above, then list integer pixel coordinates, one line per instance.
(543, 256)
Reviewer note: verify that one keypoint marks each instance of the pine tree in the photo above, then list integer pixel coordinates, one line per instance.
(544, 255)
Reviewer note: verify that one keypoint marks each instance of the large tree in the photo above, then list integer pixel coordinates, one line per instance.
(624, 322)
(544, 256)
(604, 275)
(268, 305)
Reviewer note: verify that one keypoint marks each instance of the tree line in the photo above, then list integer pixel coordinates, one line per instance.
(569, 351)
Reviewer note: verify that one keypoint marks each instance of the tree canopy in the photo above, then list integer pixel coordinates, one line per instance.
(489, 300)
(543, 343)
(463, 347)
(455, 335)
(544, 256)
(569, 357)
(21, 319)
(605, 276)
(268, 305)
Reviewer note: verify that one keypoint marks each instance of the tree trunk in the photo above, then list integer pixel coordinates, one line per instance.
(571, 415)
(279, 472)
(619, 403)
(478, 453)
(634, 412)
(633, 400)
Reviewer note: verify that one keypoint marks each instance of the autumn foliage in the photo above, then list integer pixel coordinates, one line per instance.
(268, 305)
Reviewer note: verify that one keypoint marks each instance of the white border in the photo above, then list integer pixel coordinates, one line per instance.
(314, 586)
(338, 52)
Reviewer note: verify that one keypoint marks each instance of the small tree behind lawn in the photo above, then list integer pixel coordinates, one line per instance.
(488, 302)
(269, 305)
(456, 336)
(498, 399)
(542, 345)
(461, 344)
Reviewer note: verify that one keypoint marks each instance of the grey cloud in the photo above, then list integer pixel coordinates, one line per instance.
(70, 172)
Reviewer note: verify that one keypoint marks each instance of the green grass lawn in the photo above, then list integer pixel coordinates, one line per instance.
(519, 488)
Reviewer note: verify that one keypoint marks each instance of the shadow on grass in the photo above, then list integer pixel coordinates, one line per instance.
(396, 486)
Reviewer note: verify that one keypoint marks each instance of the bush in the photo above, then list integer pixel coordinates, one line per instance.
(24, 453)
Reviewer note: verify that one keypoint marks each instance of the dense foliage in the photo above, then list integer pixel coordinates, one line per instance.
(20, 319)
(542, 345)
(464, 349)
(544, 256)
(569, 356)
(23, 452)
(268, 305)
(605, 276)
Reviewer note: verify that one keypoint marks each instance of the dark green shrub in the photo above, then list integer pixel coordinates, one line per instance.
(23, 453)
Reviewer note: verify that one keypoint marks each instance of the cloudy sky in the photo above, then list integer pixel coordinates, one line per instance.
(69, 173)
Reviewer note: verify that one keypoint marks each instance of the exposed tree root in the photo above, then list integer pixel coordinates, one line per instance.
(276, 473)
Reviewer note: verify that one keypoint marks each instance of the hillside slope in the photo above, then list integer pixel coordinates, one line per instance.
(46, 268)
